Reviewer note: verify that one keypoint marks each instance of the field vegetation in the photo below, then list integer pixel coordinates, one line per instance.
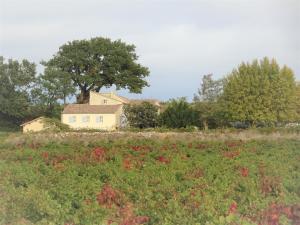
(150, 178)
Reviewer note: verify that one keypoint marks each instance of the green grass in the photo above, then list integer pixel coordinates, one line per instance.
(148, 181)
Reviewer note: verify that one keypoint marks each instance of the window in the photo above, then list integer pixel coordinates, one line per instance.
(72, 119)
(105, 101)
(85, 119)
(99, 119)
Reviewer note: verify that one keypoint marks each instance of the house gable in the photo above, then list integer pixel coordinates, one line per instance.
(116, 97)
(104, 99)
(35, 125)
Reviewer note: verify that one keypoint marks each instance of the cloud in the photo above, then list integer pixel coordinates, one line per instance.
(178, 40)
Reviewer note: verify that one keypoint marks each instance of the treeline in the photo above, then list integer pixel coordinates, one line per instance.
(24, 95)
(76, 69)
(260, 93)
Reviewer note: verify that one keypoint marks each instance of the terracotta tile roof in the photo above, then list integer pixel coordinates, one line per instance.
(90, 109)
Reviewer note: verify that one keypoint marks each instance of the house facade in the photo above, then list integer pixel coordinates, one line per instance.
(35, 125)
(104, 112)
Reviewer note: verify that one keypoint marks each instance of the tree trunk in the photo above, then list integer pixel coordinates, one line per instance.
(205, 125)
(65, 99)
(83, 97)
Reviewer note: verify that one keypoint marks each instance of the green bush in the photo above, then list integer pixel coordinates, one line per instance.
(56, 125)
(179, 114)
(142, 115)
(6, 125)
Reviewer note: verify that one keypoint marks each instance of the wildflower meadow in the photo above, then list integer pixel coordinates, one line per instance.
(131, 181)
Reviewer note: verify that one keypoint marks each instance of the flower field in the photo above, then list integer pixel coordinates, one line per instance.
(130, 181)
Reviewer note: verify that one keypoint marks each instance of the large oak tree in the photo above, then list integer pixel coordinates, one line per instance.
(100, 62)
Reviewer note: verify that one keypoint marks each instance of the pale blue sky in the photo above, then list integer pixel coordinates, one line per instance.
(179, 40)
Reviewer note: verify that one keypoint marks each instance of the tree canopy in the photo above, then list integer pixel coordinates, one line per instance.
(206, 101)
(16, 82)
(259, 92)
(50, 90)
(210, 90)
(298, 101)
(99, 62)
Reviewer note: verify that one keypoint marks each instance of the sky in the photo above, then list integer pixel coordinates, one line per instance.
(178, 40)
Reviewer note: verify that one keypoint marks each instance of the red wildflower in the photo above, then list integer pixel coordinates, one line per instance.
(231, 154)
(109, 222)
(141, 219)
(244, 171)
(287, 211)
(139, 148)
(193, 193)
(135, 220)
(98, 153)
(232, 208)
(108, 196)
(127, 163)
(127, 211)
(232, 144)
(45, 155)
(136, 148)
(163, 159)
(164, 148)
(272, 214)
(128, 217)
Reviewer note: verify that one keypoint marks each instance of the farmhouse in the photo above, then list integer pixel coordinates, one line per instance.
(104, 112)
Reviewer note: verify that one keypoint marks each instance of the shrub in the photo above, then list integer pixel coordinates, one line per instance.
(179, 114)
(7, 125)
(143, 115)
(56, 125)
